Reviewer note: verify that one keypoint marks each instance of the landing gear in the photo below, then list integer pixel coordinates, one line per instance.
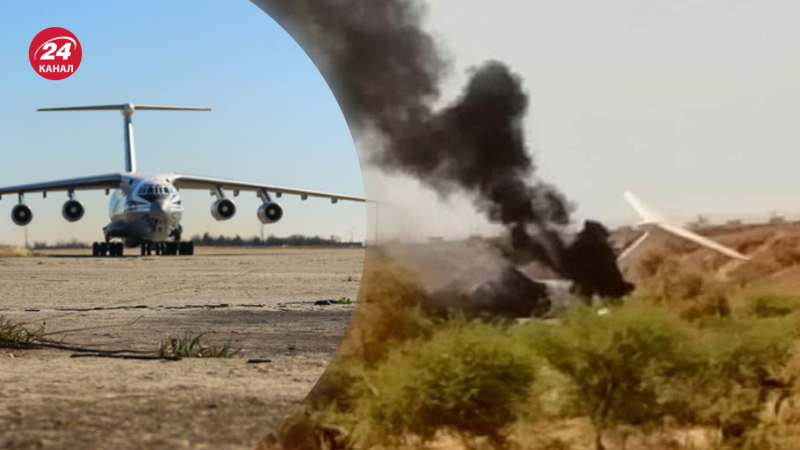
(168, 248)
(186, 248)
(115, 249)
(107, 249)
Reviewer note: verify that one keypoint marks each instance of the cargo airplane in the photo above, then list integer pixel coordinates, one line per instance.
(146, 209)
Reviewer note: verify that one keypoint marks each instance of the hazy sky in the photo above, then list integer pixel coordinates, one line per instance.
(274, 119)
(694, 105)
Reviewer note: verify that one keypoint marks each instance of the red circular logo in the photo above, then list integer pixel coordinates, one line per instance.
(55, 53)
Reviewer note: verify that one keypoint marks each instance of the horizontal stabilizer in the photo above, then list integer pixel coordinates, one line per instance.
(650, 217)
(125, 106)
(127, 113)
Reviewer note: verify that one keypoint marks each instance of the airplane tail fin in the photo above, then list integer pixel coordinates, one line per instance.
(650, 217)
(127, 111)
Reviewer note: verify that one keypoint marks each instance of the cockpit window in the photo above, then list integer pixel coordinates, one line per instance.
(153, 191)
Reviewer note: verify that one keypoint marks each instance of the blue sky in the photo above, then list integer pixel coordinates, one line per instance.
(274, 118)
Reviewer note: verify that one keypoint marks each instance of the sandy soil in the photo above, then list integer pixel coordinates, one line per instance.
(261, 300)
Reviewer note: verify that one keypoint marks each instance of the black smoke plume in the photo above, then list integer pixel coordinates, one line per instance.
(385, 71)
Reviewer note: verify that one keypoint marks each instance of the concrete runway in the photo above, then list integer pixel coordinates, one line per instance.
(259, 300)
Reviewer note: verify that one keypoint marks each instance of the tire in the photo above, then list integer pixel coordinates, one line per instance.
(95, 249)
(187, 248)
(120, 249)
(103, 249)
(172, 248)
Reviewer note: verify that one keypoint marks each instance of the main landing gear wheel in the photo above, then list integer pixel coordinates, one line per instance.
(115, 249)
(169, 248)
(102, 249)
(187, 248)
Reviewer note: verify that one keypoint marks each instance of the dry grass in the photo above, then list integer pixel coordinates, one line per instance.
(15, 335)
(15, 252)
(187, 346)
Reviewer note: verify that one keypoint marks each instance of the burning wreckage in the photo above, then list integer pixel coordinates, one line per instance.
(480, 277)
(385, 71)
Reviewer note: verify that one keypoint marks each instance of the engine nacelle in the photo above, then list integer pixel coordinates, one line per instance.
(72, 210)
(21, 214)
(223, 209)
(270, 212)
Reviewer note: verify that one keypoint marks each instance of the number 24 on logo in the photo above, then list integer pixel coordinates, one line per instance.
(51, 47)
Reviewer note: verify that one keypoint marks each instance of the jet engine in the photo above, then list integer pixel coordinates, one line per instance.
(270, 212)
(223, 209)
(21, 214)
(72, 210)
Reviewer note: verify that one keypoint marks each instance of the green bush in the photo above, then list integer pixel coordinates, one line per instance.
(467, 380)
(744, 363)
(619, 364)
(640, 364)
(389, 311)
(767, 305)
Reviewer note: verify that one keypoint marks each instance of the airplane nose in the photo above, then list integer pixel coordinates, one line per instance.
(160, 209)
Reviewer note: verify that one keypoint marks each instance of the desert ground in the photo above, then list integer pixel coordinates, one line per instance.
(260, 300)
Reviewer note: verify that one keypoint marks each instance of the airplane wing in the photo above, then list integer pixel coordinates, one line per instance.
(110, 181)
(650, 217)
(633, 246)
(210, 183)
(704, 241)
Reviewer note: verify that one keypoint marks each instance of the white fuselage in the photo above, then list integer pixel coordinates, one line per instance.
(146, 209)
